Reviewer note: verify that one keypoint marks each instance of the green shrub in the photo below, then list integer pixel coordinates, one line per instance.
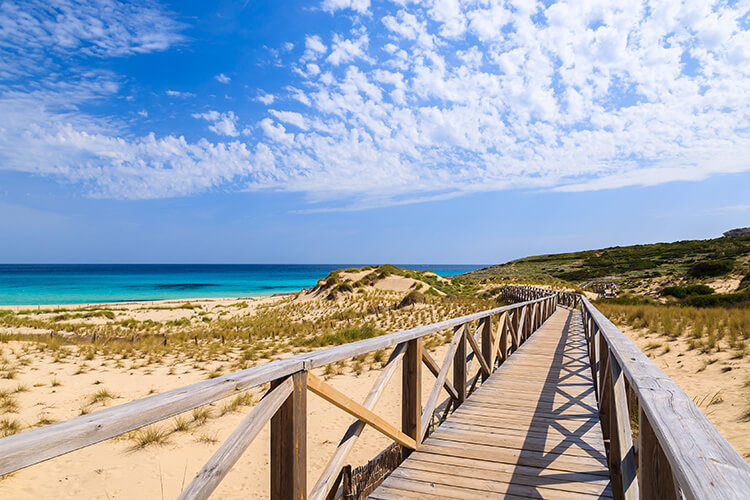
(709, 268)
(345, 336)
(413, 297)
(717, 299)
(681, 292)
(628, 300)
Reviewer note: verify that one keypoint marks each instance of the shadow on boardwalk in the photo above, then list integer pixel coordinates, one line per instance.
(567, 385)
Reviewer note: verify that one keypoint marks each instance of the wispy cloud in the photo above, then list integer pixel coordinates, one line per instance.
(733, 208)
(178, 93)
(222, 78)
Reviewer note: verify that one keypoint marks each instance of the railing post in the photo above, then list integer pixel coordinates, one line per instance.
(527, 326)
(487, 353)
(593, 361)
(602, 372)
(289, 443)
(621, 447)
(655, 477)
(504, 329)
(411, 392)
(459, 365)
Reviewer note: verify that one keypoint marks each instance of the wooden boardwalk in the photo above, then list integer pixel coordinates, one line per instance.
(530, 431)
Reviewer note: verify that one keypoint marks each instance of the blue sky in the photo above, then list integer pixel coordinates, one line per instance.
(368, 131)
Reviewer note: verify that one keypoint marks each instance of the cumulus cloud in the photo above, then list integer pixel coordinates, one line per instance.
(421, 101)
(222, 78)
(314, 48)
(345, 50)
(266, 98)
(221, 123)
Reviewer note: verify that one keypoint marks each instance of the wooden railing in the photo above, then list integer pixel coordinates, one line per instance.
(522, 293)
(678, 452)
(489, 337)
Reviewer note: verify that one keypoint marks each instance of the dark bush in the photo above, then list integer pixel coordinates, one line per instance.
(413, 297)
(717, 299)
(581, 274)
(628, 300)
(709, 268)
(681, 292)
(345, 336)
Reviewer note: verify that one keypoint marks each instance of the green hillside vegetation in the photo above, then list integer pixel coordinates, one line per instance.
(639, 268)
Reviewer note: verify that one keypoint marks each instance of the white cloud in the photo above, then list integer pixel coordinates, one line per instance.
(276, 132)
(450, 15)
(266, 98)
(221, 123)
(97, 27)
(143, 113)
(312, 69)
(290, 117)
(361, 6)
(177, 93)
(346, 50)
(222, 78)
(314, 48)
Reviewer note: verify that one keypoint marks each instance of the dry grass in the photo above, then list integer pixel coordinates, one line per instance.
(706, 329)
(9, 426)
(201, 415)
(149, 436)
(100, 396)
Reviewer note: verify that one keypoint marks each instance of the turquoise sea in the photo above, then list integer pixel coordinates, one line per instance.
(34, 284)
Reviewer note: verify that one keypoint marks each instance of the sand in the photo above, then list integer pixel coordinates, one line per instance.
(117, 469)
(158, 310)
(716, 382)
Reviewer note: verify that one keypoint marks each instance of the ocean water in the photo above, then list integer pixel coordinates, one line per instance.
(32, 284)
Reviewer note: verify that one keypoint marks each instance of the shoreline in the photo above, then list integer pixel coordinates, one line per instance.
(144, 302)
(108, 285)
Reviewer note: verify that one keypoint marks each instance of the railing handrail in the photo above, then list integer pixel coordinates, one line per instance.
(37, 445)
(703, 462)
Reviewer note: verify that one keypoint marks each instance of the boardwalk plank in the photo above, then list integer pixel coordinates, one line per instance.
(530, 431)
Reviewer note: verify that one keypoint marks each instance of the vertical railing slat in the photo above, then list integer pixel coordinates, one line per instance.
(411, 391)
(459, 365)
(289, 444)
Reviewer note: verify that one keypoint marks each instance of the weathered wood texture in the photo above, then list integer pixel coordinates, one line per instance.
(289, 444)
(679, 444)
(344, 402)
(411, 391)
(531, 430)
(209, 477)
(328, 477)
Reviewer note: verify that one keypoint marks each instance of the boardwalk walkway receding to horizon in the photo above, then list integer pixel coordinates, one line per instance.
(531, 430)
